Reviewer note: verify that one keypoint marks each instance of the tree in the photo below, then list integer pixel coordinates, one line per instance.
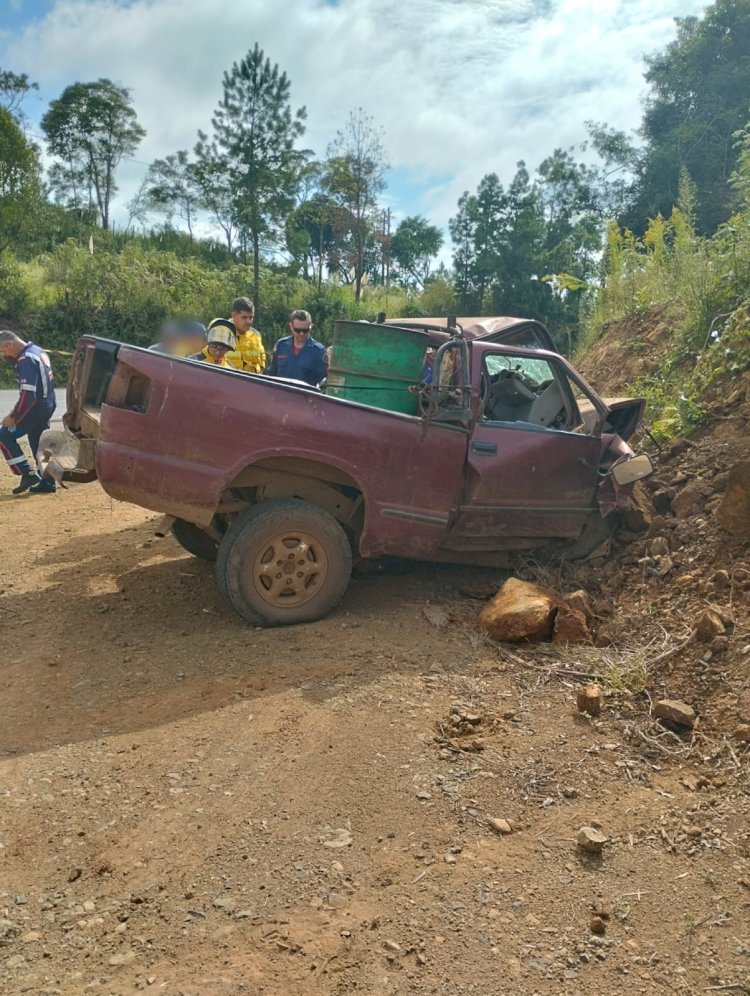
(20, 185)
(311, 237)
(90, 128)
(252, 157)
(172, 186)
(700, 95)
(13, 88)
(414, 245)
(462, 229)
(354, 176)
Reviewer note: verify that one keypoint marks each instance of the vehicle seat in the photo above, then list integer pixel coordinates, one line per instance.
(510, 399)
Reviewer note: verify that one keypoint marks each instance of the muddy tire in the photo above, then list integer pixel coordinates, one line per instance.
(195, 540)
(282, 562)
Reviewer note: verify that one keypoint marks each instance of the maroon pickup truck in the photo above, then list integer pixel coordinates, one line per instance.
(283, 485)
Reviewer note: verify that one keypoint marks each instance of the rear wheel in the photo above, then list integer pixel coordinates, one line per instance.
(284, 561)
(194, 539)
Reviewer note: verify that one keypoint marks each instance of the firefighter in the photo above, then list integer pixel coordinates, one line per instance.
(298, 355)
(32, 412)
(220, 341)
(249, 354)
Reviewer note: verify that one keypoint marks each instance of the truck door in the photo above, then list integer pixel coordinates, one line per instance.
(531, 467)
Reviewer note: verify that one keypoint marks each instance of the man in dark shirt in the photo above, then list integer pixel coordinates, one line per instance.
(32, 412)
(299, 356)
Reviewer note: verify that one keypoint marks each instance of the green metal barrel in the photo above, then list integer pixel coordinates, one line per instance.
(376, 365)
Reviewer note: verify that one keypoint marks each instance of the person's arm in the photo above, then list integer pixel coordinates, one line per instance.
(322, 366)
(273, 365)
(28, 381)
(260, 362)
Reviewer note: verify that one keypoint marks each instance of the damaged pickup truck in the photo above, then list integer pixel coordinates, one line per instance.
(507, 449)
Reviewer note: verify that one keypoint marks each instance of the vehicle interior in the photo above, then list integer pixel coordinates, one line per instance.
(527, 390)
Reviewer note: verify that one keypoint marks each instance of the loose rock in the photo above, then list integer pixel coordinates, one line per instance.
(742, 733)
(499, 825)
(674, 712)
(691, 499)
(520, 611)
(659, 547)
(590, 839)
(598, 925)
(571, 626)
(709, 626)
(589, 699)
(579, 601)
(734, 512)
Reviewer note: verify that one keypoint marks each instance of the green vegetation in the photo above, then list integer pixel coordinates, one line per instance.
(700, 285)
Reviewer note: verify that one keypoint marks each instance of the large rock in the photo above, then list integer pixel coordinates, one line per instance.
(734, 512)
(674, 713)
(691, 499)
(708, 626)
(571, 626)
(637, 518)
(520, 611)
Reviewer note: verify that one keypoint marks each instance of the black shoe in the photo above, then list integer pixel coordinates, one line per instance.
(44, 487)
(26, 483)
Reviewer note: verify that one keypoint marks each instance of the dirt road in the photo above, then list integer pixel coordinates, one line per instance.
(192, 806)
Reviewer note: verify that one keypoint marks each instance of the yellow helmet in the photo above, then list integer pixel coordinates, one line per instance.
(222, 331)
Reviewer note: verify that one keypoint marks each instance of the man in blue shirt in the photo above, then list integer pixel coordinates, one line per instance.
(298, 355)
(32, 412)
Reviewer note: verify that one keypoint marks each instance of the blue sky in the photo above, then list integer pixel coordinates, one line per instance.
(460, 87)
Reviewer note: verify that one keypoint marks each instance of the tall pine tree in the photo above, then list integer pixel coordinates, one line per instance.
(255, 132)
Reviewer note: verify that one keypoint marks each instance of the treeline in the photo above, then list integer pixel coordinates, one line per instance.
(248, 209)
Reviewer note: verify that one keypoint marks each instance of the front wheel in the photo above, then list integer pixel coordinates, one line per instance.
(282, 562)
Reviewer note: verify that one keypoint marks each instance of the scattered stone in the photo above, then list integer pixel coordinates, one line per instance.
(638, 517)
(479, 592)
(742, 733)
(124, 958)
(674, 712)
(499, 825)
(424, 795)
(75, 874)
(579, 601)
(30, 937)
(21, 900)
(392, 946)
(589, 699)
(341, 838)
(15, 961)
(690, 500)
(520, 611)
(436, 616)
(659, 547)
(734, 512)
(709, 626)
(598, 925)
(571, 626)
(243, 915)
(228, 905)
(666, 564)
(590, 839)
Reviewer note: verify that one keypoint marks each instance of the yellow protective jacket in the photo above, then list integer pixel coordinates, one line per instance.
(205, 357)
(249, 354)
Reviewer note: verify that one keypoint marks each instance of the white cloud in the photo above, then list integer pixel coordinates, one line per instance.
(461, 87)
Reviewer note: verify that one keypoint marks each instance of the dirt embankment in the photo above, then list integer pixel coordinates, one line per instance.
(189, 805)
(626, 350)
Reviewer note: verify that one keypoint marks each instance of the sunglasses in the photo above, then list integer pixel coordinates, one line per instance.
(221, 346)
(295, 329)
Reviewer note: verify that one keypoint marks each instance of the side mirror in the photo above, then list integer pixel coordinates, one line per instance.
(634, 469)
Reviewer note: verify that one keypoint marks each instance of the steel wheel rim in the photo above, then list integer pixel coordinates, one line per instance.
(289, 569)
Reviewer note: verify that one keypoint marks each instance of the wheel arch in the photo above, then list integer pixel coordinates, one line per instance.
(316, 481)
